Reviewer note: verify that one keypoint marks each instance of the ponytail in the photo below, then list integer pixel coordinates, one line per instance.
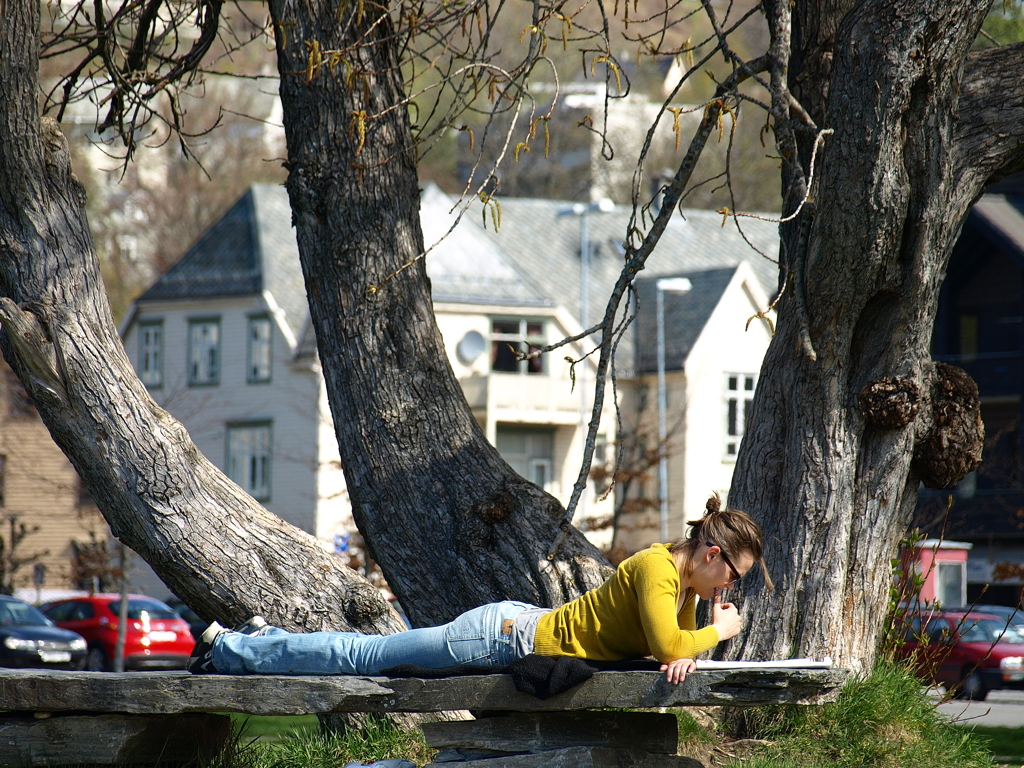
(731, 530)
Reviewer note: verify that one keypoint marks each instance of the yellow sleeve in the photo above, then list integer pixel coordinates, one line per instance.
(657, 596)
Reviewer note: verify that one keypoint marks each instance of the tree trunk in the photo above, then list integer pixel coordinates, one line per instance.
(209, 541)
(450, 523)
(833, 482)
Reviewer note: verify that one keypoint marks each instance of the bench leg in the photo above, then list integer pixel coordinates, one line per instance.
(108, 739)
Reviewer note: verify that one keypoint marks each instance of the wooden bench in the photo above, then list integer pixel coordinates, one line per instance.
(54, 718)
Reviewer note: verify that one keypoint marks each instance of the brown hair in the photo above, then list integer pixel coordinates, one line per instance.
(730, 530)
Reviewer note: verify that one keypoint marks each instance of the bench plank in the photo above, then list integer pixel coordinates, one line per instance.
(579, 757)
(540, 731)
(180, 692)
(109, 739)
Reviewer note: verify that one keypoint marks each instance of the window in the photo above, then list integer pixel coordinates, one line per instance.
(249, 458)
(952, 587)
(203, 352)
(937, 632)
(511, 336)
(84, 495)
(3, 477)
(529, 452)
(151, 353)
(739, 394)
(259, 349)
(18, 401)
(968, 336)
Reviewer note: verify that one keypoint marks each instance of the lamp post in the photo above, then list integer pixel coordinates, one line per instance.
(672, 285)
(583, 211)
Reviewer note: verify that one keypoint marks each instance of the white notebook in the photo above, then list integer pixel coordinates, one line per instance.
(710, 664)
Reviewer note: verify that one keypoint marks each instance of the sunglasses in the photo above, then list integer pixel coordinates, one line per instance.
(735, 574)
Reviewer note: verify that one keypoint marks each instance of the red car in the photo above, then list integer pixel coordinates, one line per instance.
(968, 653)
(157, 637)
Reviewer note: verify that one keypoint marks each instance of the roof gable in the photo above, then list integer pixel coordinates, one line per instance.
(1001, 217)
(686, 315)
(223, 262)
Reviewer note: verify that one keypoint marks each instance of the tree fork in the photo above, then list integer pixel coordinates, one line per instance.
(211, 543)
(424, 481)
(833, 493)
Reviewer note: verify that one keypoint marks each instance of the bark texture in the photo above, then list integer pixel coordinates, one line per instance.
(451, 524)
(211, 543)
(921, 128)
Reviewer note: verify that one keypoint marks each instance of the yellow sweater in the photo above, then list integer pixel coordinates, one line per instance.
(630, 616)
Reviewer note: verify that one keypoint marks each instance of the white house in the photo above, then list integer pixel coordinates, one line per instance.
(223, 341)
(712, 356)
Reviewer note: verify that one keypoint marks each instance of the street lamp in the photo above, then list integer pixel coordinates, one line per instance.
(583, 210)
(671, 285)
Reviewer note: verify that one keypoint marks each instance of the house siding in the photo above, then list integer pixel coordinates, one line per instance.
(288, 402)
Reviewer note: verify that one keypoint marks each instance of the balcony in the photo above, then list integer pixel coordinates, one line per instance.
(996, 373)
(523, 398)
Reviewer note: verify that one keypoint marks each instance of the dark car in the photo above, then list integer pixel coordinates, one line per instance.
(1013, 616)
(29, 639)
(196, 623)
(156, 638)
(968, 653)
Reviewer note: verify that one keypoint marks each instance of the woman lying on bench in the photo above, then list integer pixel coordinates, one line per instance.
(647, 608)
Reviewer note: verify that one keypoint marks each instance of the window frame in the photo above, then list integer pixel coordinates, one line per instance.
(260, 494)
(251, 343)
(214, 379)
(944, 566)
(522, 337)
(144, 357)
(736, 417)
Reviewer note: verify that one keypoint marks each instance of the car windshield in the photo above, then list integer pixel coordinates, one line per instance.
(989, 631)
(21, 614)
(154, 608)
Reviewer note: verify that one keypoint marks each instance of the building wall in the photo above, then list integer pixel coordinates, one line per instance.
(541, 401)
(41, 488)
(333, 506)
(724, 347)
(696, 415)
(289, 401)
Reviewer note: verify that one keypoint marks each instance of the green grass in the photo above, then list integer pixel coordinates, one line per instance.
(287, 743)
(252, 727)
(692, 733)
(1001, 740)
(884, 720)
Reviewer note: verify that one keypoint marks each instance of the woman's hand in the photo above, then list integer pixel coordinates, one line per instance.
(725, 618)
(675, 671)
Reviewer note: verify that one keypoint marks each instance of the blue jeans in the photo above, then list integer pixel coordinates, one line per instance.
(475, 637)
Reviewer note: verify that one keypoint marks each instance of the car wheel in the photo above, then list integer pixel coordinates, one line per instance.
(973, 686)
(96, 661)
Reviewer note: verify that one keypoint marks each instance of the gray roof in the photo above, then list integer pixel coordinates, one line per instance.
(468, 266)
(253, 247)
(1004, 217)
(250, 248)
(546, 247)
(685, 316)
(532, 260)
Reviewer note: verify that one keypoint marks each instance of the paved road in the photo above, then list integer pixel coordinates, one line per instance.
(1000, 708)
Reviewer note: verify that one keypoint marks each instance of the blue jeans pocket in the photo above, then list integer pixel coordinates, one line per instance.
(467, 637)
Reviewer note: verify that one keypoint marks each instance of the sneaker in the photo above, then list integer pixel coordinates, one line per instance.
(201, 660)
(255, 627)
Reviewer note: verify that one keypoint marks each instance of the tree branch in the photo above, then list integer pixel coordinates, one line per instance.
(990, 131)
